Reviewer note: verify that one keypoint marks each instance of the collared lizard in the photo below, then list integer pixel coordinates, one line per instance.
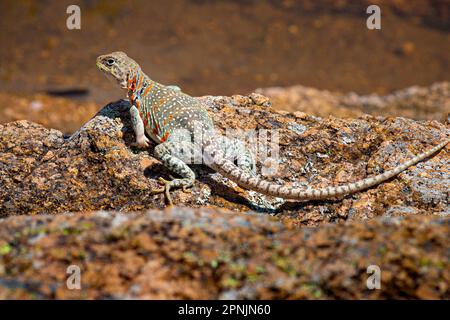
(170, 118)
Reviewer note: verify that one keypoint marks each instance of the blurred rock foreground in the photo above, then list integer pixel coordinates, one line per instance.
(209, 245)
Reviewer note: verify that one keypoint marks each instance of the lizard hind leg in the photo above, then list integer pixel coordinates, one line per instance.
(169, 154)
(236, 151)
(246, 160)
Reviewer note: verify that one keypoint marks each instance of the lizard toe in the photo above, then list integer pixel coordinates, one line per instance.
(166, 186)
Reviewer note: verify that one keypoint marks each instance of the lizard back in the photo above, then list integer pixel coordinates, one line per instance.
(164, 109)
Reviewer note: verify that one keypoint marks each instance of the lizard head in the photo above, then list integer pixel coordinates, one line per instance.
(119, 66)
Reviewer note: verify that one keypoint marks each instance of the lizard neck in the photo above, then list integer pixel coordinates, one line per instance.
(139, 85)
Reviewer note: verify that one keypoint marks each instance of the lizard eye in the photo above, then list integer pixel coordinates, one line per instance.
(110, 62)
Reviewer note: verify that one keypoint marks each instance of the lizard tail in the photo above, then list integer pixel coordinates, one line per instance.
(217, 161)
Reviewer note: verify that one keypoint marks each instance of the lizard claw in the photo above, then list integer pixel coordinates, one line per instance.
(185, 189)
(141, 142)
(164, 189)
(166, 186)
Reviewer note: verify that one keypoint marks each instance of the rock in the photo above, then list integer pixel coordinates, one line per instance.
(95, 168)
(186, 253)
(92, 169)
(421, 103)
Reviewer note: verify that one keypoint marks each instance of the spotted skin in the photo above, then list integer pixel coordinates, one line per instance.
(172, 118)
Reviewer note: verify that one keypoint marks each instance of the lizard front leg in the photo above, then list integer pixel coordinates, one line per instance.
(138, 126)
(166, 152)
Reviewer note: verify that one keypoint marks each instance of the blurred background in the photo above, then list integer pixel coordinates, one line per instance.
(226, 47)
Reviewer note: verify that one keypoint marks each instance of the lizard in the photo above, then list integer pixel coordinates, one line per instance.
(170, 117)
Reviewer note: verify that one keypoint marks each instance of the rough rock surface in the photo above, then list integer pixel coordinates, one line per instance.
(212, 252)
(42, 172)
(421, 103)
(204, 254)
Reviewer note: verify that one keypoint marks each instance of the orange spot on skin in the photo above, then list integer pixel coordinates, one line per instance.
(132, 99)
(165, 137)
(132, 84)
(138, 105)
(140, 84)
(147, 90)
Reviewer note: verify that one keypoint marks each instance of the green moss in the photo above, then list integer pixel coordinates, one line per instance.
(382, 250)
(315, 291)
(214, 264)
(192, 258)
(230, 282)
(5, 249)
(424, 262)
(284, 265)
(70, 231)
(37, 231)
(238, 267)
(87, 225)
(260, 269)
(224, 257)
(280, 262)
(440, 264)
(253, 278)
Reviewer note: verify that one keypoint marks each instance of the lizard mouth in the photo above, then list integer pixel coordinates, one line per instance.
(111, 77)
(101, 66)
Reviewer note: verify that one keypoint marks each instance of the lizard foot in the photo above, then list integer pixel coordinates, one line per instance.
(183, 187)
(141, 142)
(167, 185)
